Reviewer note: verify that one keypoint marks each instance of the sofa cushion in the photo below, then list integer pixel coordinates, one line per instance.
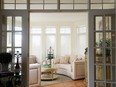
(64, 69)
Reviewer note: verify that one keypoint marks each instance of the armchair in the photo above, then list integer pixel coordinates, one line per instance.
(34, 72)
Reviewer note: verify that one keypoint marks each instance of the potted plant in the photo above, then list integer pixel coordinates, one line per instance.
(50, 55)
(86, 50)
(107, 44)
(5, 59)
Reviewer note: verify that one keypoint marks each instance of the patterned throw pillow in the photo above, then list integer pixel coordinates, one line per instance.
(65, 59)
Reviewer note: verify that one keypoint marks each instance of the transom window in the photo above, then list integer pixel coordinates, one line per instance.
(51, 30)
(65, 30)
(36, 30)
(58, 4)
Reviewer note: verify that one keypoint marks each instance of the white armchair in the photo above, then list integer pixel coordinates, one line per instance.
(34, 72)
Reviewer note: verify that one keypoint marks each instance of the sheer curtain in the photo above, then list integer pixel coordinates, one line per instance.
(65, 45)
(81, 40)
(51, 39)
(65, 41)
(36, 42)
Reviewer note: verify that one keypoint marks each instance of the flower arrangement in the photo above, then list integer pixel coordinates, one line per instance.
(107, 44)
(50, 55)
(86, 50)
(5, 57)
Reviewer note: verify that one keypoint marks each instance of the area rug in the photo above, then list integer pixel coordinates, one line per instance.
(60, 79)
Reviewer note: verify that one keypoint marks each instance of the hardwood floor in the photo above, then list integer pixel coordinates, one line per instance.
(77, 83)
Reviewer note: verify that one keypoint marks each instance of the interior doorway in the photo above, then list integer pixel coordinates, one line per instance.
(66, 33)
(50, 29)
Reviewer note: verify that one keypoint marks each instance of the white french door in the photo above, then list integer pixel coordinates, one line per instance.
(14, 37)
(102, 49)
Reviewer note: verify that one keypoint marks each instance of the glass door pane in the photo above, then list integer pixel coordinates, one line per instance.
(9, 23)
(98, 23)
(18, 23)
(18, 39)
(9, 39)
(108, 22)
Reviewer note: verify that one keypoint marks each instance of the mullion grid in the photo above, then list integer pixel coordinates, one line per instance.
(88, 3)
(103, 47)
(105, 82)
(102, 4)
(74, 4)
(15, 4)
(43, 3)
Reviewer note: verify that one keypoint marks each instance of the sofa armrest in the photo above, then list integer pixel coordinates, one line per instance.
(78, 69)
(34, 66)
(34, 75)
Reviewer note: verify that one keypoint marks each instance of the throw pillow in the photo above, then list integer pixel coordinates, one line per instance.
(73, 58)
(32, 59)
(56, 61)
(64, 59)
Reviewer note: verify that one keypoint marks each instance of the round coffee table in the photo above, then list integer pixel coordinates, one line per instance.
(48, 73)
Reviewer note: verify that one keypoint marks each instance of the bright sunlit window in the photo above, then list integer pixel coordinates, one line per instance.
(81, 40)
(51, 39)
(50, 30)
(65, 40)
(36, 42)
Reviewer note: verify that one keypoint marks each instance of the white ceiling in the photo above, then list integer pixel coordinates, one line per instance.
(58, 17)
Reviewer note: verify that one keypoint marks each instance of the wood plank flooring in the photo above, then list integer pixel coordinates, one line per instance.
(77, 83)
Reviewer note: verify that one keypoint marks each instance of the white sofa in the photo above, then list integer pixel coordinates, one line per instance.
(34, 72)
(72, 66)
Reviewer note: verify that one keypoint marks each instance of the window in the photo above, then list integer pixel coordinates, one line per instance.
(61, 41)
(65, 40)
(14, 4)
(36, 42)
(51, 39)
(81, 40)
